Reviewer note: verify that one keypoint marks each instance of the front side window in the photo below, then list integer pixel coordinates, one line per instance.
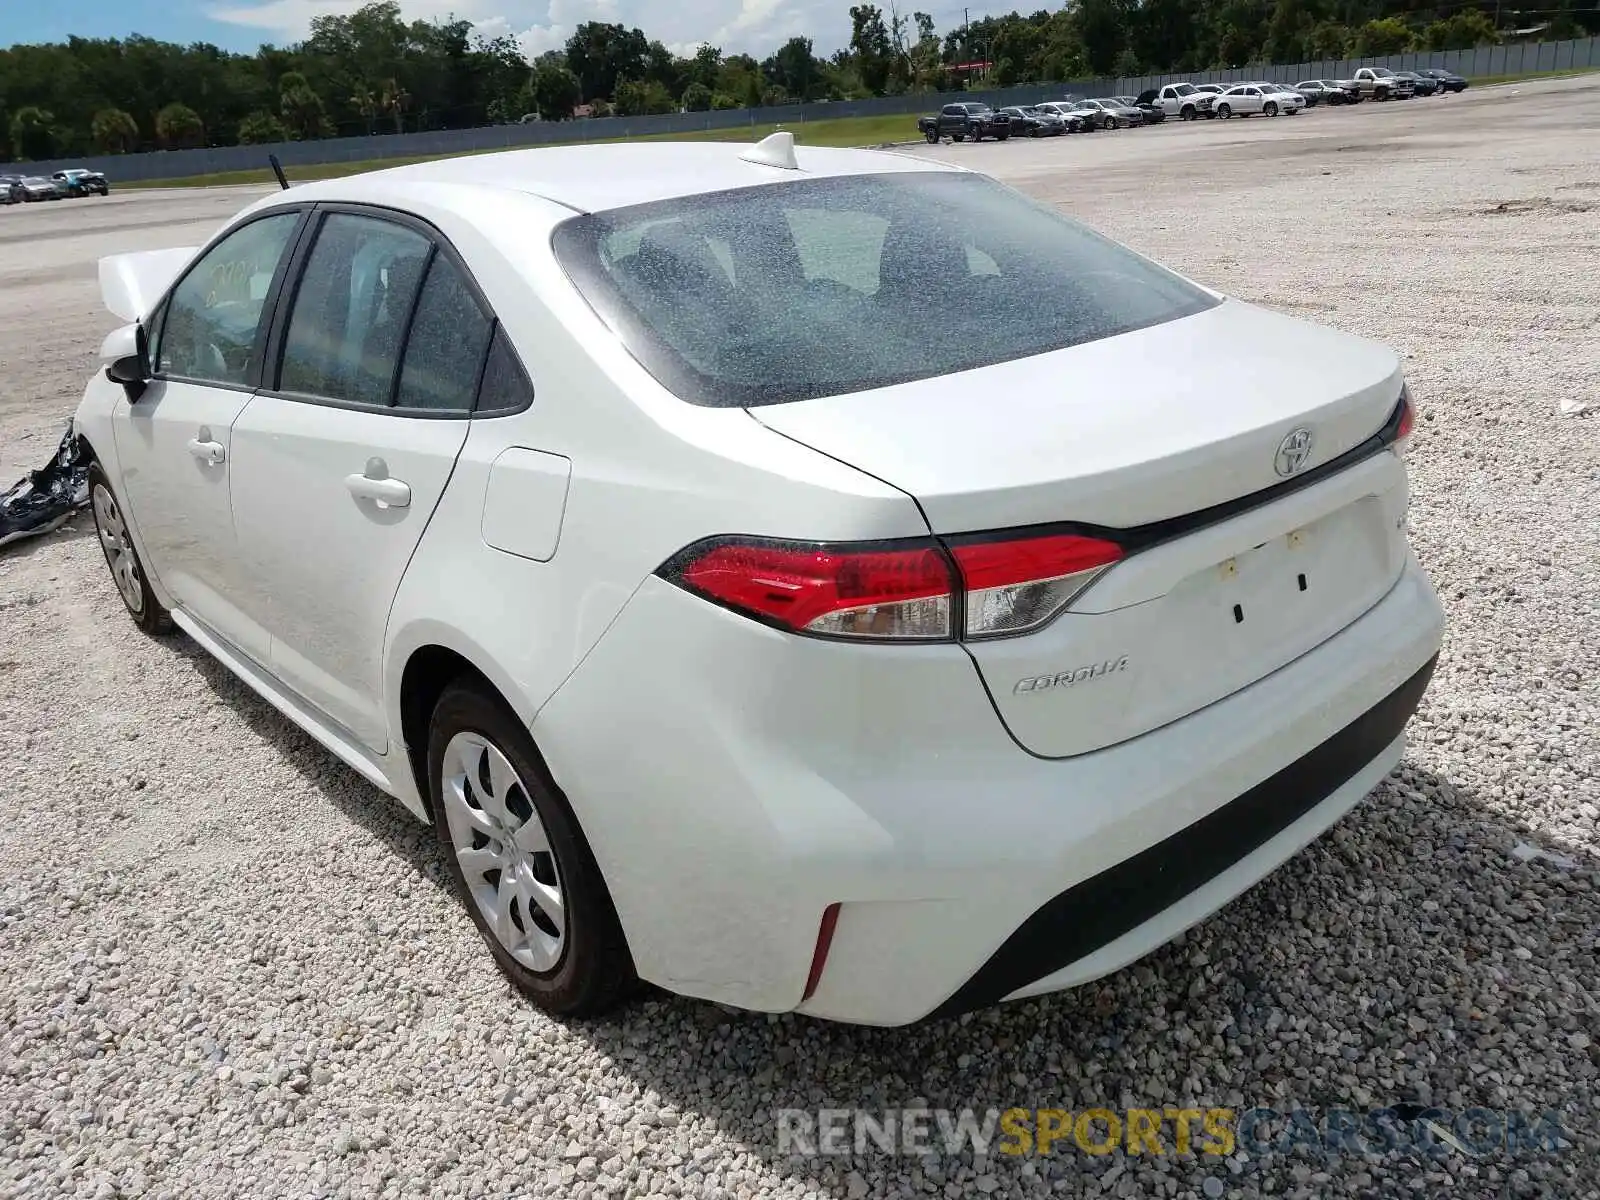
(210, 331)
(820, 287)
(351, 309)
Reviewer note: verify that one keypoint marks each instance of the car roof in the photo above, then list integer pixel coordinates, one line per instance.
(594, 178)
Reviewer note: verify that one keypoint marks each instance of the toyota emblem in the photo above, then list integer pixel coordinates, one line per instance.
(1294, 452)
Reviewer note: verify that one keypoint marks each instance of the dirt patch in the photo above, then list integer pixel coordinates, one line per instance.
(1537, 204)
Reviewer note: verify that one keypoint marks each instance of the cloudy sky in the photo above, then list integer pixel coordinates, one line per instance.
(735, 25)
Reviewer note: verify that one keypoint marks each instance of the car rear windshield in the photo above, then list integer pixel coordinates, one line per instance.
(820, 287)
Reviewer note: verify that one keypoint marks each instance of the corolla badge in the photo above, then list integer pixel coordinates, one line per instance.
(1066, 679)
(1294, 452)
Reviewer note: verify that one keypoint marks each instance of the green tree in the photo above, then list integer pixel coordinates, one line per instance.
(32, 133)
(795, 69)
(1327, 39)
(1390, 35)
(869, 41)
(1463, 31)
(179, 127)
(1101, 31)
(262, 129)
(114, 131)
(697, 98)
(643, 97)
(301, 108)
(601, 55)
(1127, 65)
(722, 102)
(556, 91)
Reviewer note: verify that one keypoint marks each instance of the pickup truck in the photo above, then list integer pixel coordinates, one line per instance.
(1181, 100)
(961, 122)
(1380, 83)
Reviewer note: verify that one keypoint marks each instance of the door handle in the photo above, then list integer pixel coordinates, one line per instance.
(207, 451)
(393, 492)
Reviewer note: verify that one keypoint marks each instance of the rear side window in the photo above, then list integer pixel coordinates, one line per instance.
(825, 286)
(444, 353)
(351, 309)
(505, 386)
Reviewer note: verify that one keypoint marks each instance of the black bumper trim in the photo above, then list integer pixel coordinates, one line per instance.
(1103, 907)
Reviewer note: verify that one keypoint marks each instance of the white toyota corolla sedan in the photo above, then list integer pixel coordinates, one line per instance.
(806, 579)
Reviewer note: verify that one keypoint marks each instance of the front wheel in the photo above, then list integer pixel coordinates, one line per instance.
(127, 572)
(1269, 109)
(1224, 111)
(1187, 113)
(520, 861)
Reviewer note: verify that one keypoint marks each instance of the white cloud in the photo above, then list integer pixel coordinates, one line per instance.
(737, 26)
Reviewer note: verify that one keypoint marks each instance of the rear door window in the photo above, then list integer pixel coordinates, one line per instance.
(352, 308)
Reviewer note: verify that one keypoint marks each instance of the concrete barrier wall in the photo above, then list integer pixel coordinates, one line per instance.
(184, 164)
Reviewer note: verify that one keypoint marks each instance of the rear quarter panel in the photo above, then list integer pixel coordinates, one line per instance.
(650, 474)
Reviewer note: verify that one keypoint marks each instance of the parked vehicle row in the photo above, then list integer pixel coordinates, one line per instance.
(975, 120)
(76, 181)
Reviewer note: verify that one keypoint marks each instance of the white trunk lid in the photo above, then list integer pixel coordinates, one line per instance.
(1149, 429)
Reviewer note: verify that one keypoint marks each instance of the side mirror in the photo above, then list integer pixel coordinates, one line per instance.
(132, 370)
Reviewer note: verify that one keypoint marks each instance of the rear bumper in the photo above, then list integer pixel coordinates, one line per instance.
(735, 782)
(1170, 885)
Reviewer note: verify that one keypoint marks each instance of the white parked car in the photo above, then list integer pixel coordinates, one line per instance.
(611, 507)
(1181, 100)
(1268, 99)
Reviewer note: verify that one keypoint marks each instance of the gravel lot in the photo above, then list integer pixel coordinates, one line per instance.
(228, 967)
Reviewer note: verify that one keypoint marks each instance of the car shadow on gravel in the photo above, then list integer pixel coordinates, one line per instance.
(1406, 957)
(380, 815)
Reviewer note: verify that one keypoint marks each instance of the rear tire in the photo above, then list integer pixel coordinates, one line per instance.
(933, 138)
(122, 557)
(1224, 111)
(494, 801)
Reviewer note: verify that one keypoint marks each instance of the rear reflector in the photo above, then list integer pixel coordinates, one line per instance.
(897, 590)
(1013, 586)
(819, 956)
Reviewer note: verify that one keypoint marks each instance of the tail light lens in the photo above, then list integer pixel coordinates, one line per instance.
(898, 591)
(1013, 586)
(1408, 416)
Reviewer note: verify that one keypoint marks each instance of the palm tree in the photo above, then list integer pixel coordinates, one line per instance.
(394, 101)
(365, 102)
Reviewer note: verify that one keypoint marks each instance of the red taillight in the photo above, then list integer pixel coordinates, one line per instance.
(1408, 417)
(900, 591)
(1016, 585)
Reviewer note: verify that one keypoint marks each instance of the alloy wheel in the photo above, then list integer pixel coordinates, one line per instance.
(503, 851)
(118, 547)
